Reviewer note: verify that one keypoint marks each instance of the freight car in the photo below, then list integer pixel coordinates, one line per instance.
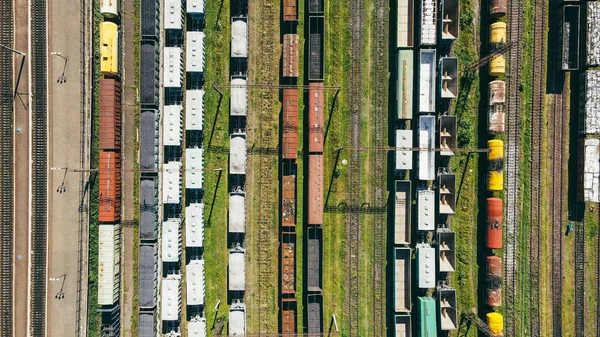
(289, 308)
(450, 20)
(498, 8)
(290, 10)
(449, 77)
(110, 115)
(291, 50)
(494, 281)
(314, 259)
(448, 310)
(447, 251)
(402, 326)
(289, 147)
(109, 203)
(316, 103)
(315, 314)
(405, 30)
(447, 193)
(497, 65)
(110, 8)
(427, 321)
(109, 48)
(427, 65)
(493, 237)
(447, 135)
(428, 22)
(239, 37)
(149, 74)
(404, 141)
(239, 96)
(569, 29)
(316, 34)
(403, 203)
(288, 201)
(315, 189)
(288, 263)
(426, 156)
(404, 85)
(496, 115)
(402, 280)
(150, 19)
(495, 165)
(496, 322)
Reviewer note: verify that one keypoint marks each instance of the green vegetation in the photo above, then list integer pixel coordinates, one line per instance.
(465, 165)
(591, 254)
(216, 136)
(94, 318)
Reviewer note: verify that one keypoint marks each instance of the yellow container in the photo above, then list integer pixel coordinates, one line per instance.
(109, 48)
(498, 33)
(496, 322)
(495, 165)
(497, 66)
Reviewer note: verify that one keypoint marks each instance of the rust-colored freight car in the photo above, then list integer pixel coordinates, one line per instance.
(494, 281)
(494, 223)
(315, 189)
(288, 201)
(110, 187)
(497, 8)
(316, 103)
(289, 149)
(288, 263)
(290, 10)
(290, 55)
(288, 317)
(110, 114)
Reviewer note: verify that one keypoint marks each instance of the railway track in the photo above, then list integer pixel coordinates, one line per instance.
(39, 168)
(379, 168)
(515, 57)
(537, 109)
(353, 230)
(580, 305)
(556, 202)
(6, 178)
(266, 255)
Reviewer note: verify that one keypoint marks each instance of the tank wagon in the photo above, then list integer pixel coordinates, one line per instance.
(494, 281)
(495, 165)
(110, 8)
(496, 112)
(497, 65)
(498, 8)
(496, 322)
(493, 235)
(109, 48)
(239, 37)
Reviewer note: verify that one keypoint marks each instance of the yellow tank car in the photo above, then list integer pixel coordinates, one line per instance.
(495, 165)
(497, 65)
(496, 323)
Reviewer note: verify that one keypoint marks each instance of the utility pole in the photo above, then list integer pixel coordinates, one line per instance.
(20, 68)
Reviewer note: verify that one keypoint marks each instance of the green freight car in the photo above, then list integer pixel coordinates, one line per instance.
(427, 314)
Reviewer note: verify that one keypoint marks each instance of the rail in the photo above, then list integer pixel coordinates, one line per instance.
(515, 56)
(6, 179)
(537, 108)
(353, 231)
(580, 302)
(39, 167)
(379, 171)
